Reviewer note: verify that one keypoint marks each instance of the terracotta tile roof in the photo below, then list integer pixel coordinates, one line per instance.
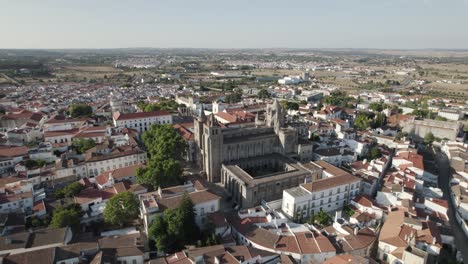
(39, 206)
(41, 256)
(196, 197)
(128, 171)
(89, 195)
(329, 168)
(413, 157)
(390, 230)
(364, 200)
(61, 119)
(59, 133)
(398, 118)
(347, 258)
(184, 132)
(103, 178)
(139, 115)
(12, 151)
(330, 182)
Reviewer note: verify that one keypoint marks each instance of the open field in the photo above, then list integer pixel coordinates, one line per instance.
(275, 72)
(107, 69)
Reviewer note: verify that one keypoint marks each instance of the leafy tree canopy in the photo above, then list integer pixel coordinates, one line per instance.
(263, 94)
(176, 228)
(82, 145)
(429, 138)
(121, 208)
(70, 190)
(163, 141)
(67, 216)
(362, 122)
(339, 98)
(80, 110)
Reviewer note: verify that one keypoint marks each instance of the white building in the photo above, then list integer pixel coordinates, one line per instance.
(328, 194)
(450, 114)
(153, 204)
(142, 121)
(97, 163)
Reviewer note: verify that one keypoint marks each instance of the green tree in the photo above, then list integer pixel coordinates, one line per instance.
(80, 110)
(82, 145)
(187, 217)
(163, 141)
(160, 173)
(263, 94)
(158, 233)
(63, 217)
(377, 106)
(69, 191)
(34, 163)
(57, 153)
(166, 149)
(375, 152)
(380, 120)
(338, 98)
(362, 122)
(348, 211)
(121, 208)
(323, 218)
(176, 228)
(234, 97)
(429, 138)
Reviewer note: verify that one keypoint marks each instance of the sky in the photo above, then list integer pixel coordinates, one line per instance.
(380, 24)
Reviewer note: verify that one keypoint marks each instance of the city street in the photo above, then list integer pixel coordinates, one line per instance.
(461, 241)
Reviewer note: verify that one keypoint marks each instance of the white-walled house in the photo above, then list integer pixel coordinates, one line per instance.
(153, 204)
(142, 121)
(328, 194)
(98, 161)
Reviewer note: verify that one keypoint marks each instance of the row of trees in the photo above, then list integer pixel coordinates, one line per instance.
(289, 105)
(365, 120)
(169, 105)
(339, 98)
(120, 210)
(234, 97)
(166, 149)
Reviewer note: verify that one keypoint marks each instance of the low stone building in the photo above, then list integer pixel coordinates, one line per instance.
(251, 181)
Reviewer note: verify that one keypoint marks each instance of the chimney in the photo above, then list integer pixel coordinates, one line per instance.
(160, 192)
(433, 240)
(356, 231)
(427, 217)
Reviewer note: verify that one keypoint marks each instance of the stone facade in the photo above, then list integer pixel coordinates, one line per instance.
(222, 151)
(253, 180)
(440, 129)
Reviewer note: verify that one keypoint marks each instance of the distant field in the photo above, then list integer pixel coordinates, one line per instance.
(107, 69)
(275, 72)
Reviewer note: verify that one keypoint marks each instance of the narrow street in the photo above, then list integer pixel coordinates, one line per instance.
(461, 240)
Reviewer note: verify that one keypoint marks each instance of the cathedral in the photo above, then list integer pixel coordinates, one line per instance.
(254, 162)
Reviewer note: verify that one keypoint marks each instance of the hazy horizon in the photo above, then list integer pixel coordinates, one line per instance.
(209, 24)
